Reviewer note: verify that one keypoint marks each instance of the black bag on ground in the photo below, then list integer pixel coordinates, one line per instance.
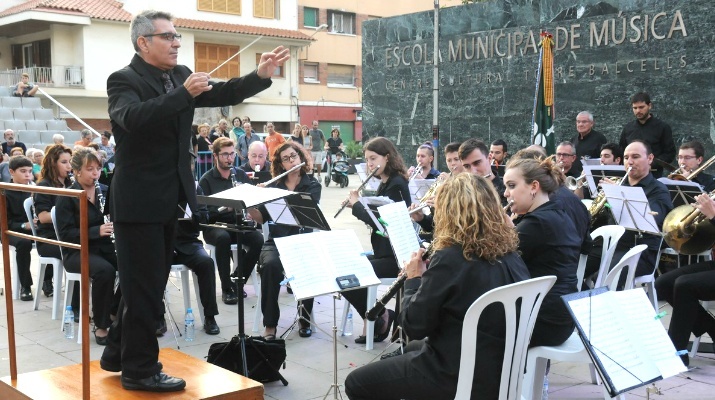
(264, 358)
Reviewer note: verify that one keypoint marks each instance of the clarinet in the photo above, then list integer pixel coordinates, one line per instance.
(101, 200)
(71, 176)
(372, 313)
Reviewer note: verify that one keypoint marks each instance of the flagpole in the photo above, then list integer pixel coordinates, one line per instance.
(435, 87)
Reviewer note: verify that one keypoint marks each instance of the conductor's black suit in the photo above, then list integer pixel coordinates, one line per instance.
(151, 121)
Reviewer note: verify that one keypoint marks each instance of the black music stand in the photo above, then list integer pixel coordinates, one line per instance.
(239, 198)
(682, 192)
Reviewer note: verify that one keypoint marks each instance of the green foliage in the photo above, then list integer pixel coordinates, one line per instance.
(353, 149)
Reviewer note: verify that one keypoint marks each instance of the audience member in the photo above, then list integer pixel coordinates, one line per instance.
(273, 140)
(86, 138)
(24, 88)
(107, 145)
(10, 142)
(245, 141)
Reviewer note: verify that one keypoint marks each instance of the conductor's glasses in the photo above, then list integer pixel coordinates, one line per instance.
(289, 158)
(168, 36)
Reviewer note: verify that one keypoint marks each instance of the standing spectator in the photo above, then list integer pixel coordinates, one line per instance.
(588, 141)
(220, 131)
(273, 140)
(244, 142)
(106, 145)
(237, 129)
(318, 141)
(24, 88)
(10, 142)
(295, 135)
(650, 129)
(204, 149)
(305, 139)
(86, 139)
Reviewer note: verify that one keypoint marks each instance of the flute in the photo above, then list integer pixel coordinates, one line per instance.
(362, 185)
(371, 315)
(284, 174)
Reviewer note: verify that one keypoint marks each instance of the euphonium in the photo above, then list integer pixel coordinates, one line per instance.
(687, 231)
(678, 173)
(600, 200)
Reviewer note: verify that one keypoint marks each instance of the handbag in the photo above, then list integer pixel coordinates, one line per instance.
(264, 358)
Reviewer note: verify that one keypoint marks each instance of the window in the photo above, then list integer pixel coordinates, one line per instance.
(33, 54)
(278, 73)
(341, 75)
(208, 56)
(310, 72)
(310, 17)
(341, 22)
(221, 6)
(265, 9)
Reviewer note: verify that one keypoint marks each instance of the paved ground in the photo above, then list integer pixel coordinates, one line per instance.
(309, 366)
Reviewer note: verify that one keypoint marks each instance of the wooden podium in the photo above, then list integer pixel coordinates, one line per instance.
(203, 381)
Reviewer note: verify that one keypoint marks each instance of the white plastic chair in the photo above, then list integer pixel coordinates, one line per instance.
(70, 279)
(519, 326)
(610, 234)
(370, 325)
(57, 268)
(183, 272)
(572, 349)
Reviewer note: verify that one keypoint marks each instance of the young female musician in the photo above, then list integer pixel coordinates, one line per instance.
(285, 157)
(102, 256)
(547, 242)
(54, 173)
(380, 152)
(425, 162)
(474, 252)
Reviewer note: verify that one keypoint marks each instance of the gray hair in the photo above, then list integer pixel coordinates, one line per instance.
(567, 143)
(58, 138)
(143, 24)
(586, 113)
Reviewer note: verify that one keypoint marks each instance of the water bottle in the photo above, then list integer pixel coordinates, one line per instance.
(349, 324)
(68, 323)
(189, 326)
(545, 390)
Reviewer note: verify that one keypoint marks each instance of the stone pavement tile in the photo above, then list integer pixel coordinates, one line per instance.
(32, 358)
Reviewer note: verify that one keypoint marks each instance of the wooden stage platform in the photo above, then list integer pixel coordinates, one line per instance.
(203, 381)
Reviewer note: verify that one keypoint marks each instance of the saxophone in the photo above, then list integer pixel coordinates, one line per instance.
(600, 201)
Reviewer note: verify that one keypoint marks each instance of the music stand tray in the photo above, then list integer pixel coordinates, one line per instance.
(682, 192)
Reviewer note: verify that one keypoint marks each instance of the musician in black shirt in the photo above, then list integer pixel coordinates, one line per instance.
(286, 156)
(690, 157)
(21, 172)
(224, 176)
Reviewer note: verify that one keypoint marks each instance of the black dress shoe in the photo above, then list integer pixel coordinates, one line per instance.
(304, 330)
(211, 327)
(160, 382)
(398, 352)
(47, 288)
(379, 323)
(26, 293)
(101, 340)
(229, 297)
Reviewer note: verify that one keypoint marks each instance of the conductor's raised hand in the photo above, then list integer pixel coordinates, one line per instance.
(197, 83)
(270, 61)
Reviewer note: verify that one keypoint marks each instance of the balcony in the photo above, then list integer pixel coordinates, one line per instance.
(58, 76)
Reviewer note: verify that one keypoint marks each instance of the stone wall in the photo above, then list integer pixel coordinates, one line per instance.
(605, 52)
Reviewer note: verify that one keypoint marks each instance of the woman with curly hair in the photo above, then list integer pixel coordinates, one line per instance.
(475, 251)
(547, 241)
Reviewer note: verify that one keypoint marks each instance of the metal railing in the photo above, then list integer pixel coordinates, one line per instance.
(54, 76)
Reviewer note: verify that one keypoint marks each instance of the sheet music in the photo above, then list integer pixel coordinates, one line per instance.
(630, 208)
(252, 195)
(400, 231)
(594, 173)
(617, 345)
(374, 202)
(280, 213)
(316, 275)
(361, 170)
(418, 188)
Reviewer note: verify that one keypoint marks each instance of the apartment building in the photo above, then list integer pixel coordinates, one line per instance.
(330, 73)
(70, 47)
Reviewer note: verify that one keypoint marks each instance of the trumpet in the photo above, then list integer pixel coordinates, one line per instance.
(430, 192)
(575, 183)
(362, 185)
(415, 172)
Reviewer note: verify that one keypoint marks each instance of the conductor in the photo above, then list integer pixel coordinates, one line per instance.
(153, 97)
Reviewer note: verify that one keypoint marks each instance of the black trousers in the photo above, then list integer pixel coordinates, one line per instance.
(394, 379)
(384, 268)
(144, 255)
(203, 267)
(223, 240)
(271, 276)
(102, 272)
(683, 288)
(550, 334)
(23, 259)
(48, 250)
